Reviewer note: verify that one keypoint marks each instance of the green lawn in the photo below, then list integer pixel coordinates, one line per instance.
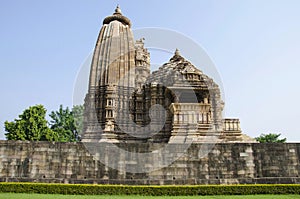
(44, 196)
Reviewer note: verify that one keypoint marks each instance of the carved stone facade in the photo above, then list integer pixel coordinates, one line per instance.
(227, 163)
(127, 103)
(139, 112)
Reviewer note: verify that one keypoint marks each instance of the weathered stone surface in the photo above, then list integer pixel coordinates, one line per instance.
(122, 93)
(226, 163)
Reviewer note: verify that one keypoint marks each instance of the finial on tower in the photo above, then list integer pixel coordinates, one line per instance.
(177, 53)
(118, 10)
(117, 16)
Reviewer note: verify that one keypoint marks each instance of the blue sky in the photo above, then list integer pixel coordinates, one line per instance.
(254, 44)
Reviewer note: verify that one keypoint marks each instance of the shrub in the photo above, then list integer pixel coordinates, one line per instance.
(170, 190)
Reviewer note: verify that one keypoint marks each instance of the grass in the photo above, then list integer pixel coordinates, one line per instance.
(48, 196)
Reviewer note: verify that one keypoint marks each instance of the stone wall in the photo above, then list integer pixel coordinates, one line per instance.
(226, 163)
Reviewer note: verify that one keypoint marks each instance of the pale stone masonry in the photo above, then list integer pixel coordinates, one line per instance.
(122, 93)
(227, 163)
(176, 108)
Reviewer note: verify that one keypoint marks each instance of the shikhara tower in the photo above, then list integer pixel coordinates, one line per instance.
(122, 93)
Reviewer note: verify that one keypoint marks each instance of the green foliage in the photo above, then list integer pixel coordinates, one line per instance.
(31, 125)
(270, 138)
(55, 196)
(77, 112)
(66, 124)
(181, 190)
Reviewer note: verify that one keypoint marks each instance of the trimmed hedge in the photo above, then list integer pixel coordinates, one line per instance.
(76, 189)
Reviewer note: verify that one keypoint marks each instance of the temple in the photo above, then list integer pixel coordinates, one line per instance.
(127, 103)
(143, 128)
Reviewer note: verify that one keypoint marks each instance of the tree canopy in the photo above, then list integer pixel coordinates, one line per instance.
(270, 138)
(65, 125)
(77, 112)
(31, 125)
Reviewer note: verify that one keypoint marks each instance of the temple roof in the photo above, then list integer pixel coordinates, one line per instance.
(179, 71)
(117, 16)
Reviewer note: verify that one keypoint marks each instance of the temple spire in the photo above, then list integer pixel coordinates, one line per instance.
(117, 16)
(118, 10)
(177, 53)
(177, 56)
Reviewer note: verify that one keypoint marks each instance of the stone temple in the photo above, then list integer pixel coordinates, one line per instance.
(123, 94)
(164, 127)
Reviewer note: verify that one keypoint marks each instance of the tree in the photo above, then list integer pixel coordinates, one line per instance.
(31, 125)
(77, 112)
(270, 138)
(65, 124)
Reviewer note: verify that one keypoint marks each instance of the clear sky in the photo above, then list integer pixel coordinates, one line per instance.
(254, 44)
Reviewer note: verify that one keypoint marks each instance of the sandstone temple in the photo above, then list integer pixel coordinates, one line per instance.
(123, 93)
(164, 127)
